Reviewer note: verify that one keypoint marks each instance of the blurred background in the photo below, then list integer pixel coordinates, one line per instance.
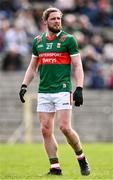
(91, 22)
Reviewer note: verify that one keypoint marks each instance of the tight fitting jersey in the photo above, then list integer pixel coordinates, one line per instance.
(54, 59)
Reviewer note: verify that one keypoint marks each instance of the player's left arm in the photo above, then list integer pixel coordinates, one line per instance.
(74, 52)
(78, 70)
(79, 78)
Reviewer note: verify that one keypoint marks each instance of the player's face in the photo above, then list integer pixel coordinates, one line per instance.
(54, 22)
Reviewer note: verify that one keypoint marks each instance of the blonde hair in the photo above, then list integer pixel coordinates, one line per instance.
(48, 11)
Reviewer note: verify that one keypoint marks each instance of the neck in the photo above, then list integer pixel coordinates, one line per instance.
(50, 34)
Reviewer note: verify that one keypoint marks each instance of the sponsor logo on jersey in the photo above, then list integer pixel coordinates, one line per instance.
(50, 54)
(40, 46)
(49, 60)
(54, 58)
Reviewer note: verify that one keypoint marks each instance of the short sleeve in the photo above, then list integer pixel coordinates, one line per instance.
(73, 46)
(34, 48)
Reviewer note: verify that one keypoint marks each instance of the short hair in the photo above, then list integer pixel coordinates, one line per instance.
(48, 11)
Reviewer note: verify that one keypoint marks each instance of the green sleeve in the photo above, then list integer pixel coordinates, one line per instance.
(34, 47)
(73, 46)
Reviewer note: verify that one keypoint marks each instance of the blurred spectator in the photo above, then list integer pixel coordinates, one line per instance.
(16, 36)
(67, 6)
(89, 58)
(12, 61)
(110, 78)
(69, 23)
(24, 3)
(1, 41)
(91, 65)
(88, 8)
(85, 26)
(4, 26)
(81, 39)
(26, 19)
(108, 52)
(97, 42)
(42, 1)
(37, 13)
(96, 80)
(9, 7)
(105, 15)
(2, 18)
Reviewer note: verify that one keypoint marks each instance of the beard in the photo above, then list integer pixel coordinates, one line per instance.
(54, 30)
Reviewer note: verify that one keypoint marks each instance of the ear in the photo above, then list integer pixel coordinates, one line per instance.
(45, 22)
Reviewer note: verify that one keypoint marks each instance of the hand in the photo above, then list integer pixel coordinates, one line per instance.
(78, 96)
(22, 92)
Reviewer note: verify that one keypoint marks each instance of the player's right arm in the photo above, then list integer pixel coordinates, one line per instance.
(29, 75)
(31, 71)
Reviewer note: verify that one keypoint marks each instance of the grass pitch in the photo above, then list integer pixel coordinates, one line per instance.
(30, 162)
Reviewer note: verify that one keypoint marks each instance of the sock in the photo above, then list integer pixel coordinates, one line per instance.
(80, 154)
(54, 163)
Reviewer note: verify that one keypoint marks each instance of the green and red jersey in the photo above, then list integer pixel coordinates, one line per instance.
(54, 59)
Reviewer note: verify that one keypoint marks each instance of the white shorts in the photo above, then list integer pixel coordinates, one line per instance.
(52, 102)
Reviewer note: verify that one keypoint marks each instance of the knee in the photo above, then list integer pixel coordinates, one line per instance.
(65, 130)
(46, 131)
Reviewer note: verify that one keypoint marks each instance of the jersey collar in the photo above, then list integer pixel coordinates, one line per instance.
(53, 37)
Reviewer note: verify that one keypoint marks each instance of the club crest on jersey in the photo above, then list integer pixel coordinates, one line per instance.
(39, 39)
(63, 38)
(49, 45)
(58, 45)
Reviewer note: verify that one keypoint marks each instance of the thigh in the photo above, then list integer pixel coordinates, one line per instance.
(64, 117)
(46, 119)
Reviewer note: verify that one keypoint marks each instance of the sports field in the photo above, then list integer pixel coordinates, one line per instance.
(29, 161)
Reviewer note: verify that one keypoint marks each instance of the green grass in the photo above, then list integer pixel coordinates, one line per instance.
(30, 162)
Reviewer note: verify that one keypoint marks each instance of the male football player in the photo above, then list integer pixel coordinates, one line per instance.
(53, 53)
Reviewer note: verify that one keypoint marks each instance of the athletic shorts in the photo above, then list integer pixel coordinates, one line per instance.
(52, 102)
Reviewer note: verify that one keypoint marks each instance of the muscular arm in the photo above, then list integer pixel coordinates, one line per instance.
(78, 70)
(30, 72)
